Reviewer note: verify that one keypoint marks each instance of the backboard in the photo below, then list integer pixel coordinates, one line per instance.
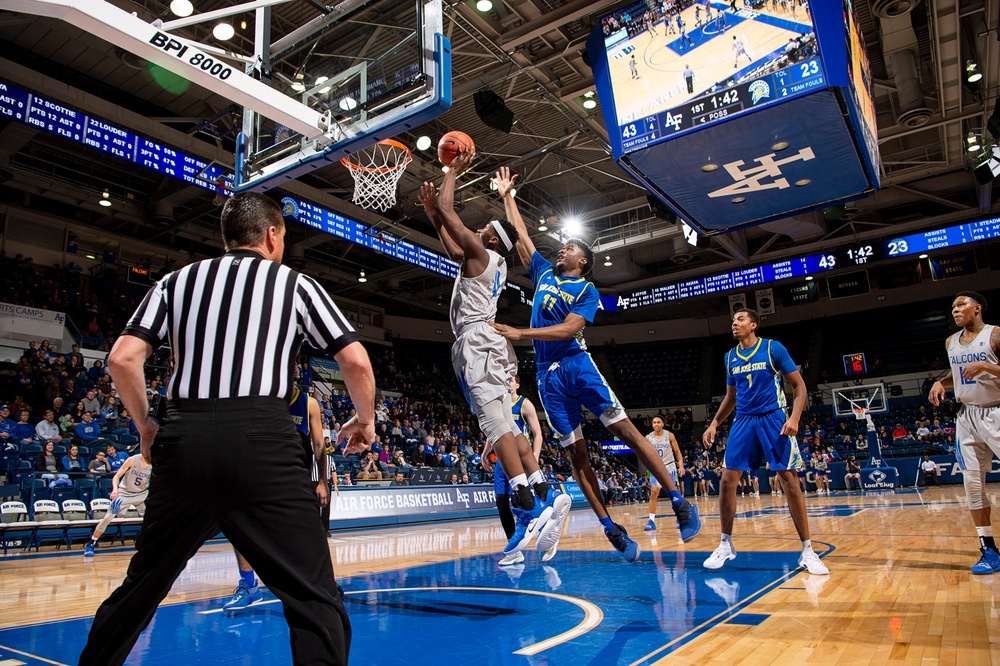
(373, 69)
(872, 397)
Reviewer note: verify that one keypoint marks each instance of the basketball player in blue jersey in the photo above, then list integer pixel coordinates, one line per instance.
(526, 418)
(564, 302)
(484, 363)
(974, 355)
(307, 417)
(761, 428)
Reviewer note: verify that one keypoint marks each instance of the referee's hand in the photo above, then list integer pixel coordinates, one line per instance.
(147, 428)
(359, 436)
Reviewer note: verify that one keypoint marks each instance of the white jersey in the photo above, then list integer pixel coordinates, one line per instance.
(984, 390)
(474, 299)
(136, 479)
(663, 448)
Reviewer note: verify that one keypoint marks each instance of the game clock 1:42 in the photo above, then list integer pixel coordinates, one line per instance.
(854, 364)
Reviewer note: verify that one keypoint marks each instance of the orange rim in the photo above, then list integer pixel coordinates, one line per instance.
(385, 142)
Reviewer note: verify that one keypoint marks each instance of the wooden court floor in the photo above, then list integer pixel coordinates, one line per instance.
(900, 590)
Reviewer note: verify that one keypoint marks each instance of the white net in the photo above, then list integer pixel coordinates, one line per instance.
(376, 171)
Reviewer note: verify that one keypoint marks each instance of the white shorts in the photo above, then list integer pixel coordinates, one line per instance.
(978, 432)
(672, 468)
(138, 500)
(484, 364)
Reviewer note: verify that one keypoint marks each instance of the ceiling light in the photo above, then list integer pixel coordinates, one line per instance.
(298, 86)
(589, 104)
(572, 226)
(607, 260)
(90, 256)
(709, 168)
(972, 73)
(781, 145)
(513, 192)
(484, 5)
(182, 8)
(589, 93)
(243, 25)
(541, 224)
(348, 104)
(223, 31)
(802, 183)
(493, 185)
(324, 90)
(973, 142)
(362, 278)
(923, 256)
(105, 199)
(809, 278)
(423, 142)
(322, 79)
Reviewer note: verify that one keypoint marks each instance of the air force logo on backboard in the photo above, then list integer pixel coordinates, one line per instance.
(290, 207)
(759, 90)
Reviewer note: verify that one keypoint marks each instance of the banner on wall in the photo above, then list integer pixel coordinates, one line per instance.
(737, 302)
(37, 315)
(765, 301)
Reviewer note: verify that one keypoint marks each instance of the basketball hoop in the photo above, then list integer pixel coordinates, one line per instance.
(860, 412)
(376, 171)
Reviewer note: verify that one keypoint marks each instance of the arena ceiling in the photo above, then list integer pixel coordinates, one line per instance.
(530, 52)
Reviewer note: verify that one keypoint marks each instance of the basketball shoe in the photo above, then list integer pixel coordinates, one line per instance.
(988, 563)
(720, 555)
(548, 538)
(243, 596)
(527, 525)
(513, 558)
(622, 543)
(650, 526)
(688, 521)
(810, 560)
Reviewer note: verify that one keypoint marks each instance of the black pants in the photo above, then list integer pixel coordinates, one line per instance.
(237, 465)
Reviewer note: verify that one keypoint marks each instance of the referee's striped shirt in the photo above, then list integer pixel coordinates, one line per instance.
(235, 325)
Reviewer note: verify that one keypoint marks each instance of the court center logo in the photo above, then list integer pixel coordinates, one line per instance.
(759, 90)
(752, 179)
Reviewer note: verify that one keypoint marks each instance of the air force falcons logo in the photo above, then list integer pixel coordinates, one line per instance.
(759, 90)
(290, 207)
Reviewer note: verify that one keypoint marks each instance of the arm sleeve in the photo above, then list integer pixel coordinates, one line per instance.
(149, 321)
(781, 358)
(587, 302)
(537, 266)
(325, 327)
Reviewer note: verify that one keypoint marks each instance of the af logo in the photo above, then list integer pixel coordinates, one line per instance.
(622, 303)
(673, 120)
(290, 207)
(759, 90)
(462, 497)
(752, 180)
(878, 476)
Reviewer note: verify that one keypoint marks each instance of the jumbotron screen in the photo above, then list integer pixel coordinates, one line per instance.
(682, 65)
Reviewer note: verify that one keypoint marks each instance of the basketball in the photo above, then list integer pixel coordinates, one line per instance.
(453, 143)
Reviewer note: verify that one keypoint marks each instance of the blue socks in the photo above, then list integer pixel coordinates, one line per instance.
(676, 499)
(249, 578)
(608, 524)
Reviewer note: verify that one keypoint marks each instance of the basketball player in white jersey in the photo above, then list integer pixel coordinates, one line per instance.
(485, 362)
(974, 354)
(740, 49)
(130, 487)
(670, 453)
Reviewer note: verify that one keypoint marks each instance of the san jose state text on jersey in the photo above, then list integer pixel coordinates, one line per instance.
(756, 373)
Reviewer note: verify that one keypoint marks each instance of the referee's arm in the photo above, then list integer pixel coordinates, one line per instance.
(125, 363)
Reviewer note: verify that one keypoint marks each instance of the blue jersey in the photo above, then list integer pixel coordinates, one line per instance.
(515, 410)
(756, 374)
(555, 298)
(300, 412)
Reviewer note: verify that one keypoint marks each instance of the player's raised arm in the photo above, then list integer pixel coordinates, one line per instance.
(569, 327)
(476, 258)
(428, 199)
(504, 180)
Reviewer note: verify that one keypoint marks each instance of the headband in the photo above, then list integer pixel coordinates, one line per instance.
(501, 234)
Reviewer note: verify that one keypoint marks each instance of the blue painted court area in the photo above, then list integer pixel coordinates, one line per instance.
(582, 608)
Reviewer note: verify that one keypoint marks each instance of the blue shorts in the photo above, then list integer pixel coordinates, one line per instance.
(501, 484)
(753, 437)
(567, 386)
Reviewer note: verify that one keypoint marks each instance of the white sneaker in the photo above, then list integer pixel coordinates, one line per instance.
(548, 538)
(551, 552)
(720, 556)
(513, 558)
(810, 560)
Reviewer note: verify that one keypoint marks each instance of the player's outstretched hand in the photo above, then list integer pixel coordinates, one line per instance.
(427, 197)
(504, 180)
(708, 439)
(508, 332)
(462, 161)
(936, 394)
(358, 436)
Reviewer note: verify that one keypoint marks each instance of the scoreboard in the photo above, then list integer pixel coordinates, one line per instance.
(854, 364)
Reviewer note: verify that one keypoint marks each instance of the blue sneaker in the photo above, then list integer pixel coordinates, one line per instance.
(650, 526)
(619, 539)
(527, 525)
(88, 550)
(988, 563)
(243, 596)
(549, 536)
(688, 521)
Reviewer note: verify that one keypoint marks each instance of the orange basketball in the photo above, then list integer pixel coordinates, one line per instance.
(453, 143)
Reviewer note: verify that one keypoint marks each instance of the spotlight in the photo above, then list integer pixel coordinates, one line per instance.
(589, 104)
(322, 79)
(182, 8)
(298, 86)
(972, 73)
(973, 142)
(223, 31)
(541, 224)
(572, 226)
(362, 278)
(105, 199)
(484, 5)
(809, 278)
(607, 260)
(348, 104)
(423, 143)
(243, 25)
(922, 256)
(513, 192)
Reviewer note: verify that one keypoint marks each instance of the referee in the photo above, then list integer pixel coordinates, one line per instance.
(226, 456)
